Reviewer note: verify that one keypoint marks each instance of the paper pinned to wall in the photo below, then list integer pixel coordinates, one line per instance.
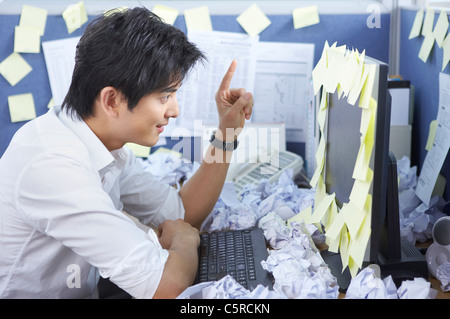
(417, 25)
(33, 17)
(438, 152)
(27, 40)
(196, 96)
(428, 22)
(253, 20)
(305, 17)
(14, 68)
(198, 19)
(440, 30)
(75, 16)
(60, 60)
(21, 107)
(169, 15)
(427, 46)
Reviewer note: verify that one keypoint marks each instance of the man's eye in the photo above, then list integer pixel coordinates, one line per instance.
(164, 99)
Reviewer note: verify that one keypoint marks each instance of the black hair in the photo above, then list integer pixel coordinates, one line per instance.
(132, 50)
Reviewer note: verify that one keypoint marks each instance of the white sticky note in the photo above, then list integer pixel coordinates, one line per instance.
(198, 19)
(139, 150)
(27, 40)
(75, 16)
(440, 30)
(305, 17)
(33, 17)
(417, 25)
(446, 52)
(167, 14)
(427, 46)
(21, 107)
(253, 20)
(428, 22)
(14, 68)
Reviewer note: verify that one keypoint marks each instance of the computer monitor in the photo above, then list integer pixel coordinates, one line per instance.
(342, 133)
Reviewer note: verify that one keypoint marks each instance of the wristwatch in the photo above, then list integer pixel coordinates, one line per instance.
(225, 146)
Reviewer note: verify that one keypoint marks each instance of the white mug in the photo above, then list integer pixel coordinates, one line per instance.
(439, 251)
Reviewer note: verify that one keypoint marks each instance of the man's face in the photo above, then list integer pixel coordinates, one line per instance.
(146, 121)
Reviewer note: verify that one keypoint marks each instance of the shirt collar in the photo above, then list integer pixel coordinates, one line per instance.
(100, 155)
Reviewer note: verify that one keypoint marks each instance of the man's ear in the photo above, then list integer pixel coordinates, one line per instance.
(111, 101)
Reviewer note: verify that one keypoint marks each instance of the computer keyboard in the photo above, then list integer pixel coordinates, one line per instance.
(237, 253)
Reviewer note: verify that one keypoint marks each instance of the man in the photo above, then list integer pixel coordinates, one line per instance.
(67, 177)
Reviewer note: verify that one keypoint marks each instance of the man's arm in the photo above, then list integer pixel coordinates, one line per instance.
(201, 191)
(181, 240)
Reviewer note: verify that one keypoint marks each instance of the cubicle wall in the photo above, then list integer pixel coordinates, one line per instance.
(349, 29)
(425, 78)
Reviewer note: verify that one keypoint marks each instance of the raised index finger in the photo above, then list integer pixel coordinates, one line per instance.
(225, 84)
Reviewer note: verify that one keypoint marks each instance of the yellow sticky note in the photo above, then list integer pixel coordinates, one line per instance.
(348, 78)
(353, 217)
(317, 174)
(304, 17)
(366, 90)
(321, 208)
(446, 53)
(322, 116)
(358, 244)
(360, 190)
(427, 46)
(364, 154)
(367, 116)
(27, 40)
(33, 17)
(198, 19)
(253, 20)
(168, 15)
(118, 9)
(428, 22)
(139, 150)
(417, 24)
(75, 16)
(431, 134)
(343, 248)
(50, 103)
(440, 30)
(303, 216)
(14, 68)
(21, 107)
(336, 226)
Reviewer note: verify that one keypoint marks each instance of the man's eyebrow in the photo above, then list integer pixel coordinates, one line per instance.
(170, 89)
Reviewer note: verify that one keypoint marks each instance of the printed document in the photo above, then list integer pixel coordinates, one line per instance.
(438, 152)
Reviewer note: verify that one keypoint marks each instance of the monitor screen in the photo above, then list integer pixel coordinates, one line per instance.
(343, 144)
(354, 130)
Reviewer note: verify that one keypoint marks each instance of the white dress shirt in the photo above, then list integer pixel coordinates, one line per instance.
(62, 194)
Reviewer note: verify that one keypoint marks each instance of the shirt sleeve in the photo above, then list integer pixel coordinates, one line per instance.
(145, 197)
(63, 198)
